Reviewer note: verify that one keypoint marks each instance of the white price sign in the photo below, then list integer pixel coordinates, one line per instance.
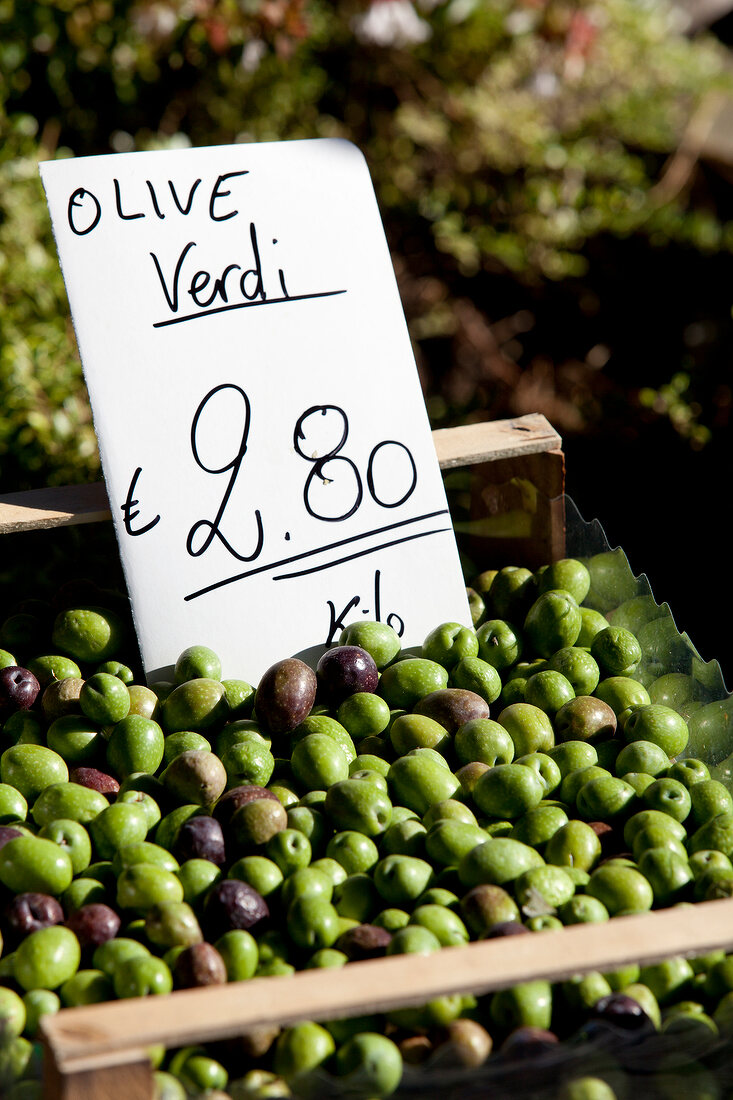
(263, 435)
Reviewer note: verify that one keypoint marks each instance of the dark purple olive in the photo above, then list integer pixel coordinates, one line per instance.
(528, 1042)
(232, 799)
(285, 695)
(233, 904)
(18, 689)
(29, 912)
(346, 670)
(95, 780)
(452, 707)
(622, 1011)
(94, 924)
(618, 1024)
(200, 837)
(364, 941)
(197, 965)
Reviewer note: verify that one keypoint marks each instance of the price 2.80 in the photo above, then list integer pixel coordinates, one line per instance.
(334, 487)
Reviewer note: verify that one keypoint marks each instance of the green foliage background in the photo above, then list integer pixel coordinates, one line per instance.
(502, 145)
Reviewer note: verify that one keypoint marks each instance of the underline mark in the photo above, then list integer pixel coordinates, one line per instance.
(360, 554)
(246, 305)
(318, 550)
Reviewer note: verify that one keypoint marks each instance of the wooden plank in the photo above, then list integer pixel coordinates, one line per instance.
(127, 1077)
(67, 505)
(490, 440)
(58, 506)
(86, 1038)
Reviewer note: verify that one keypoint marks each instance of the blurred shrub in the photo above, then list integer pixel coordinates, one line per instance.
(502, 137)
(46, 433)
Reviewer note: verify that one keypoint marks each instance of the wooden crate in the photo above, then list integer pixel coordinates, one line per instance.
(98, 1052)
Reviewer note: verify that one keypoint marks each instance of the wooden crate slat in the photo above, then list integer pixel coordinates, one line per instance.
(59, 506)
(497, 506)
(82, 1039)
(470, 444)
(66, 505)
(127, 1076)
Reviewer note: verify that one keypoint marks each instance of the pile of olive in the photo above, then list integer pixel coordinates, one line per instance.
(561, 760)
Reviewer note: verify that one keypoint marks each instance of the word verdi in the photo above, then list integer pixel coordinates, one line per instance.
(263, 465)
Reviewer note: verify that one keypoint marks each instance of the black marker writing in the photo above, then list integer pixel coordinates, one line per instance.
(118, 204)
(154, 199)
(85, 209)
(258, 291)
(246, 305)
(131, 503)
(171, 296)
(234, 465)
(324, 428)
(370, 473)
(187, 208)
(281, 275)
(324, 468)
(393, 619)
(351, 539)
(359, 554)
(200, 280)
(217, 194)
(82, 204)
(337, 623)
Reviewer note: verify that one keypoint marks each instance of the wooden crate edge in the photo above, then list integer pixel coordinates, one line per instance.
(82, 1039)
